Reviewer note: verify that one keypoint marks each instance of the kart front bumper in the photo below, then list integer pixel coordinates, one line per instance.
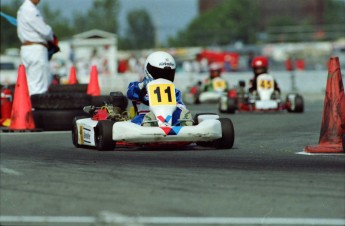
(206, 130)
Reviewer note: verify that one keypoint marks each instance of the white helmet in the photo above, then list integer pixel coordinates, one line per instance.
(160, 65)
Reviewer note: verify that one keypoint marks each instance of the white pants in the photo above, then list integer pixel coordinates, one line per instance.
(35, 60)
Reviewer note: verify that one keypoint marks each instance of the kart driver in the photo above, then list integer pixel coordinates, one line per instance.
(260, 66)
(215, 72)
(158, 65)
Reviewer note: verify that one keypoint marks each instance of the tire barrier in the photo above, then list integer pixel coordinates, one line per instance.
(60, 101)
(55, 111)
(56, 120)
(68, 88)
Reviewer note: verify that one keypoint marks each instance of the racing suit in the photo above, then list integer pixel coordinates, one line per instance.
(133, 93)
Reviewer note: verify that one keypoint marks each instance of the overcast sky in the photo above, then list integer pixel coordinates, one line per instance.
(169, 16)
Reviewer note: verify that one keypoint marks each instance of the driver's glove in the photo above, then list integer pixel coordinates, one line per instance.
(144, 83)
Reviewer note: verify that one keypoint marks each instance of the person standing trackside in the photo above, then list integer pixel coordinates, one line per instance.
(34, 35)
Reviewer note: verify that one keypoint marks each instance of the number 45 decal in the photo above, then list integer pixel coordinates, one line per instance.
(266, 84)
(162, 94)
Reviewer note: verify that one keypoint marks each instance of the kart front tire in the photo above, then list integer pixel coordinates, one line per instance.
(228, 135)
(104, 135)
(75, 131)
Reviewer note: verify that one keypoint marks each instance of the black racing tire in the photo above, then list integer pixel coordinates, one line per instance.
(231, 106)
(60, 101)
(104, 135)
(119, 100)
(299, 104)
(99, 101)
(75, 131)
(220, 106)
(228, 135)
(197, 98)
(55, 120)
(67, 88)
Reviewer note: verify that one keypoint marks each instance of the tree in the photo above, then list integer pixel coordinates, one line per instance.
(232, 21)
(102, 15)
(327, 26)
(334, 12)
(61, 26)
(140, 33)
(8, 34)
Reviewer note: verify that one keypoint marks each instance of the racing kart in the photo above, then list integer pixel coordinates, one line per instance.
(107, 127)
(264, 99)
(196, 94)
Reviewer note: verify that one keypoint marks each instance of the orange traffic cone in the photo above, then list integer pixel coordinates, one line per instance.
(333, 117)
(93, 87)
(72, 76)
(21, 115)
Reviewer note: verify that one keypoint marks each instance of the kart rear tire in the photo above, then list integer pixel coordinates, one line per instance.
(75, 131)
(119, 100)
(221, 101)
(299, 104)
(197, 99)
(228, 135)
(104, 135)
(231, 106)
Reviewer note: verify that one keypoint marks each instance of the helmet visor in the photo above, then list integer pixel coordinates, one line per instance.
(166, 72)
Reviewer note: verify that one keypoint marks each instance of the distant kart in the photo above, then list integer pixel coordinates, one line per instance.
(107, 127)
(195, 94)
(265, 99)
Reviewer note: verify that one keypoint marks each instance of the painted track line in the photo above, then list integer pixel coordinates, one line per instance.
(307, 153)
(10, 171)
(33, 133)
(123, 220)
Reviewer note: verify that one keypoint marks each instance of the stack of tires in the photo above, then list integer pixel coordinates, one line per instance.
(55, 110)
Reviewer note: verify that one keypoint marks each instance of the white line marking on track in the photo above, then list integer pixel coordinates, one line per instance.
(34, 133)
(307, 153)
(46, 219)
(10, 171)
(123, 220)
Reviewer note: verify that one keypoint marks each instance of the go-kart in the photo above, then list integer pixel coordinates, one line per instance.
(107, 127)
(196, 94)
(264, 99)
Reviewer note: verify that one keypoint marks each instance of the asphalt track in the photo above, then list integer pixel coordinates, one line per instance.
(263, 180)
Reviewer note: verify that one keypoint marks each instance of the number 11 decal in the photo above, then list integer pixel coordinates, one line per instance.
(157, 91)
(163, 94)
